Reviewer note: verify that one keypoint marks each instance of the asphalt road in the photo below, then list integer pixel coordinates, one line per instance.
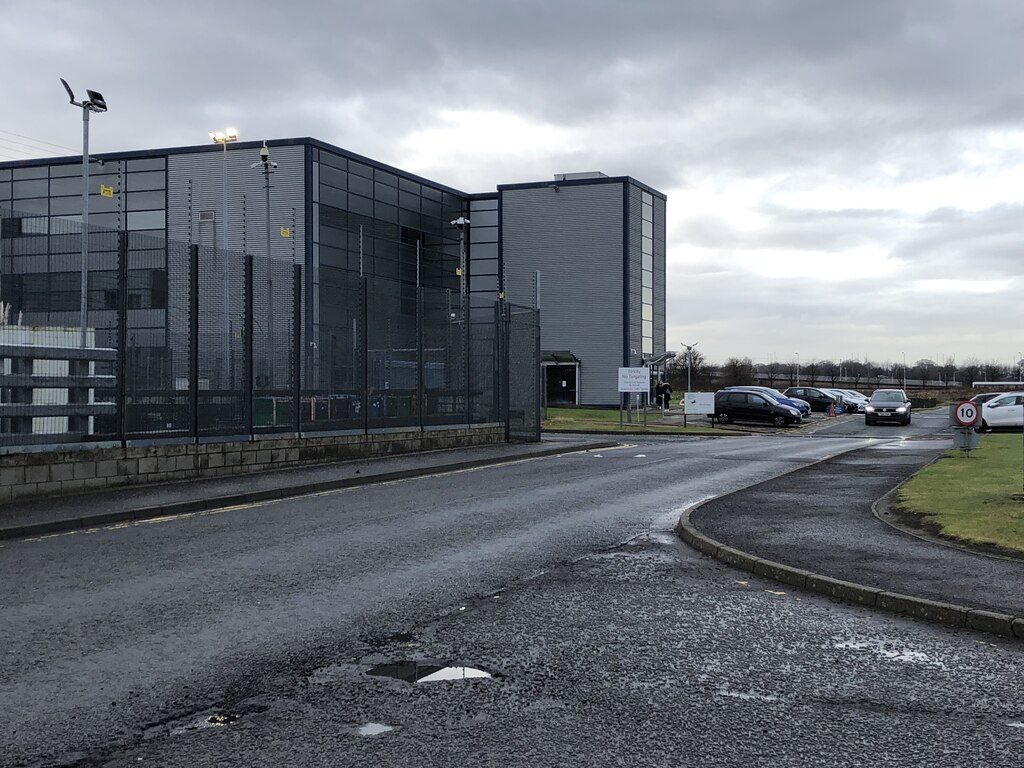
(119, 643)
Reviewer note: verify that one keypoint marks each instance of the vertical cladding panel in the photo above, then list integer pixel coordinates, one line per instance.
(574, 238)
(635, 276)
(660, 277)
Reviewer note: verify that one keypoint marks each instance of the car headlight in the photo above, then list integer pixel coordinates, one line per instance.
(794, 412)
(901, 409)
(869, 408)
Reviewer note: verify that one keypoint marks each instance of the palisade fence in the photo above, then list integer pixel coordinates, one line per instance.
(187, 343)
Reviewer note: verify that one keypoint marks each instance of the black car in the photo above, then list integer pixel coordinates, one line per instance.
(731, 405)
(819, 399)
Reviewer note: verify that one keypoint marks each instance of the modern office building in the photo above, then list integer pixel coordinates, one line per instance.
(588, 248)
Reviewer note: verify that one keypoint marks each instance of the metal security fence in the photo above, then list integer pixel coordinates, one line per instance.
(183, 342)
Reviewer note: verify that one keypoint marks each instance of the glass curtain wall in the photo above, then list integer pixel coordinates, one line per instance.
(370, 222)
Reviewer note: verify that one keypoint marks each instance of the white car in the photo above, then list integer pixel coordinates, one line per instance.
(1006, 411)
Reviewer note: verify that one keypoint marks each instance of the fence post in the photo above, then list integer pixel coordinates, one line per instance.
(247, 341)
(193, 340)
(122, 337)
(296, 367)
(420, 388)
(540, 383)
(364, 295)
(501, 336)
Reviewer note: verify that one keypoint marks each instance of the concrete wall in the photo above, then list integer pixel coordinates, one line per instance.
(27, 475)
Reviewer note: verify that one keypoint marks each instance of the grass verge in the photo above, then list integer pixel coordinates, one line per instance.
(975, 499)
(607, 420)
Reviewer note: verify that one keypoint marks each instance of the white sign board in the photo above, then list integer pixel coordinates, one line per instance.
(699, 403)
(634, 379)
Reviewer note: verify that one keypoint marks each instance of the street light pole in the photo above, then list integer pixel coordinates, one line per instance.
(462, 223)
(95, 103)
(797, 369)
(689, 362)
(904, 371)
(224, 138)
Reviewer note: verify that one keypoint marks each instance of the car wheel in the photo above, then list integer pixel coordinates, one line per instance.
(779, 421)
(724, 418)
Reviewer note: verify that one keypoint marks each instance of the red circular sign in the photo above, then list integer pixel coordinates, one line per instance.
(967, 413)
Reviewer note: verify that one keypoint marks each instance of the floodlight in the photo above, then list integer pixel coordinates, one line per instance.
(71, 94)
(96, 101)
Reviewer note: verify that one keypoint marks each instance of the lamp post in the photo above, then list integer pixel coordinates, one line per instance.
(462, 224)
(95, 103)
(689, 362)
(797, 369)
(224, 138)
(904, 371)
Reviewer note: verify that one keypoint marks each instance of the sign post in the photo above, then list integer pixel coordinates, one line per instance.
(634, 380)
(963, 417)
(699, 402)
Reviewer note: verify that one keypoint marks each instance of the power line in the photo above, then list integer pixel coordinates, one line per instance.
(38, 141)
(15, 146)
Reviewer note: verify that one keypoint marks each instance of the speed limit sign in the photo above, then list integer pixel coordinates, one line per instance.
(967, 413)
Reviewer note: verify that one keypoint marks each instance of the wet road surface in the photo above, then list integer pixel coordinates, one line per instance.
(121, 643)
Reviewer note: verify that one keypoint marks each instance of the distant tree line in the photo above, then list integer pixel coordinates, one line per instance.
(852, 374)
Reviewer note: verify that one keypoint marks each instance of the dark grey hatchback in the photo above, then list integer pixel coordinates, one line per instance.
(731, 405)
(887, 405)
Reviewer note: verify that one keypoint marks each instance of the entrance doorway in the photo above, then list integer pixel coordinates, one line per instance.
(561, 378)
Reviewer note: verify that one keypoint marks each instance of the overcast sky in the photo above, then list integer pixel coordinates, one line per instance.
(844, 178)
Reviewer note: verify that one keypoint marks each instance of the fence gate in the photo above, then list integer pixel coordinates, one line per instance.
(520, 328)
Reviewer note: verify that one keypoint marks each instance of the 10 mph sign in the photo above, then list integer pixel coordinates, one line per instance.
(966, 414)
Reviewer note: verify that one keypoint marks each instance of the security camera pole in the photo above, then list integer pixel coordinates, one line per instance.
(95, 103)
(268, 167)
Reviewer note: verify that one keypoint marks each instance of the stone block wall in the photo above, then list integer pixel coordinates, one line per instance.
(26, 475)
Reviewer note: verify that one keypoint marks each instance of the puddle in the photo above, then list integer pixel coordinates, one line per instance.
(425, 672)
(374, 729)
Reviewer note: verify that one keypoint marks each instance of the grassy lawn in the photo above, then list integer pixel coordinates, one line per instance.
(976, 499)
(607, 420)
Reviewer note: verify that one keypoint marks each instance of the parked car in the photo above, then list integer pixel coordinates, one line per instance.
(818, 398)
(853, 401)
(984, 397)
(887, 405)
(801, 405)
(1004, 411)
(734, 405)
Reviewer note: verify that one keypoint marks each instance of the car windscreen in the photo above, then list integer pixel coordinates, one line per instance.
(891, 396)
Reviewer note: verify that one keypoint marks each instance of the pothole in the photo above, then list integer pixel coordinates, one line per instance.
(195, 723)
(425, 671)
